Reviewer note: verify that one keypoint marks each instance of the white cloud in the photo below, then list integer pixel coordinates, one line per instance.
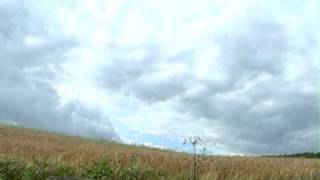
(242, 74)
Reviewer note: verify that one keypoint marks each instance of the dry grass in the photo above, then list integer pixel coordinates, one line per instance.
(28, 144)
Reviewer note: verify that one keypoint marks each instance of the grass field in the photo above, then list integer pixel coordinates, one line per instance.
(32, 154)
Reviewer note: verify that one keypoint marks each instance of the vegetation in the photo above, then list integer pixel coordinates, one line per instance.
(38, 170)
(29, 154)
(195, 141)
(298, 155)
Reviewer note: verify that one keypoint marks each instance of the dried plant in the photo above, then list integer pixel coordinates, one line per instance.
(194, 141)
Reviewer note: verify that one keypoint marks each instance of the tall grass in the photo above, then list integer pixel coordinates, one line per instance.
(11, 169)
(77, 155)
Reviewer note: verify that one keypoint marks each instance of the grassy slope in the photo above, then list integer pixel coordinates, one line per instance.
(27, 145)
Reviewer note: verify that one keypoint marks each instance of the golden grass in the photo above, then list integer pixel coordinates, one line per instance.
(27, 144)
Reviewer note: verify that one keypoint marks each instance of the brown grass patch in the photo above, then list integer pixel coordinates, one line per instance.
(28, 144)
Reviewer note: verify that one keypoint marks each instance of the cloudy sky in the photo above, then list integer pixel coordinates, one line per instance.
(242, 75)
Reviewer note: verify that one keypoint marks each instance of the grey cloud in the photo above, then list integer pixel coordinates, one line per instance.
(153, 90)
(28, 70)
(259, 46)
(37, 106)
(248, 123)
(140, 76)
(257, 109)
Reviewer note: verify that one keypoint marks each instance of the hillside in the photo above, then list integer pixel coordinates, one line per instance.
(83, 157)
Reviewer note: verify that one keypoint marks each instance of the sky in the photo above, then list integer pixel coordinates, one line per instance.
(242, 75)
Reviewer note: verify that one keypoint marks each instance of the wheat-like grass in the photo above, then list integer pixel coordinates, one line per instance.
(28, 144)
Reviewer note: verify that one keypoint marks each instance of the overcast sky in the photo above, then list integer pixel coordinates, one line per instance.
(243, 75)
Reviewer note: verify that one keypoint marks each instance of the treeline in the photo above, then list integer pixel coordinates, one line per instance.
(297, 155)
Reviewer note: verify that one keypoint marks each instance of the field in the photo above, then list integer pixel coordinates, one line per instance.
(32, 154)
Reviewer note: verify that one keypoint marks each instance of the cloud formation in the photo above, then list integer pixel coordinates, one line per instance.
(242, 75)
(31, 55)
(250, 86)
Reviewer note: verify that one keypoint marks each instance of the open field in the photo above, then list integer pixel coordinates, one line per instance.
(29, 147)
